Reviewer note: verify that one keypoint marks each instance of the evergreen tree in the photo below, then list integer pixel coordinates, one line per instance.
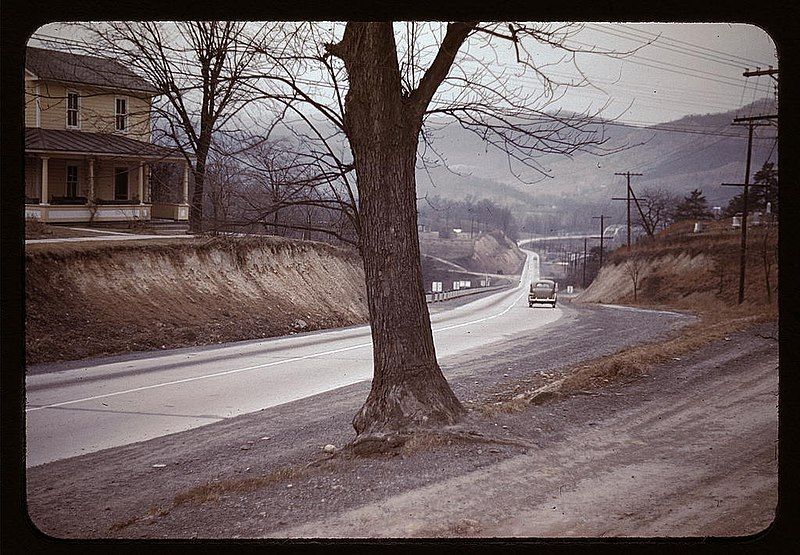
(693, 207)
(758, 197)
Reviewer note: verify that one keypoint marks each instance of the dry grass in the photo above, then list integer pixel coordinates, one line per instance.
(122, 524)
(214, 490)
(634, 361)
(35, 229)
(458, 529)
(423, 441)
(716, 322)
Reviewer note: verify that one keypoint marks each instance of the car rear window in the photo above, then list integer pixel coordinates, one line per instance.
(543, 285)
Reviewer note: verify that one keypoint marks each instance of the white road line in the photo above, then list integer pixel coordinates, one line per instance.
(484, 318)
(635, 309)
(194, 378)
(256, 367)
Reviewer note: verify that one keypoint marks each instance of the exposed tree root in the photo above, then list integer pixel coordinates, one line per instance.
(411, 441)
(422, 400)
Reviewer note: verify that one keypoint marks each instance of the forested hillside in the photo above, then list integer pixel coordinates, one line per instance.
(697, 151)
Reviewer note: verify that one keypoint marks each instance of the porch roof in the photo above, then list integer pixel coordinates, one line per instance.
(60, 141)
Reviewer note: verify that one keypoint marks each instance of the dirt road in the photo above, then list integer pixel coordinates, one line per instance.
(688, 450)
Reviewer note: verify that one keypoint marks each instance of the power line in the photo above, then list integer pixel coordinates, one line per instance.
(631, 124)
(658, 127)
(723, 102)
(669, 48)
(680, 69)
(597, 83)
(677, 45)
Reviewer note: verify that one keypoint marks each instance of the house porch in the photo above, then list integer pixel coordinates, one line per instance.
(87, 188)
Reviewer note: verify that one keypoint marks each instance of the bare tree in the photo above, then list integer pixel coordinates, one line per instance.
(379, 89)
(223, 184)
(283, 180)
(634, 265)
(197, 67)
(656, 204)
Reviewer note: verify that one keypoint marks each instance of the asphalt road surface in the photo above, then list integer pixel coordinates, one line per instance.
(78, 408)
(686, 450)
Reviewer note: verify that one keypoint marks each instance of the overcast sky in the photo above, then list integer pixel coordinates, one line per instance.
(688, 68)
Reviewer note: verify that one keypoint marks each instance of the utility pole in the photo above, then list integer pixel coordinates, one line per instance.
(743, 247)
(602, 227)
(628, 200)
(772, 72)
(585, 239)
(751, 123)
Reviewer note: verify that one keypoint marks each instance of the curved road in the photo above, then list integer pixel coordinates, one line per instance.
(73, 410)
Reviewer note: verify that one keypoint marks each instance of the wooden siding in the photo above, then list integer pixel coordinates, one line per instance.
(96, 108)
(30, 103)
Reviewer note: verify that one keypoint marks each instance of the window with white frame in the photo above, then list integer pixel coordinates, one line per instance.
(121, 114)
(72, 180)
(73, 110)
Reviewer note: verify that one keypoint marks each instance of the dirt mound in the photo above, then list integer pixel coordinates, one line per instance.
(491, 253)
(86, 300)
(495, 253)
(681, 273)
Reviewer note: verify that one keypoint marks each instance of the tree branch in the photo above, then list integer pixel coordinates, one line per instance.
(420, 97)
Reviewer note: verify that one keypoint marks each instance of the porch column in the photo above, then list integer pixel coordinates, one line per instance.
(90, 194)
(44, 193)
(148, 187)
(141, 183)
(185, 184)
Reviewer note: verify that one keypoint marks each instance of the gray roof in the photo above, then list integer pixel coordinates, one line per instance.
(59, 140)
(89, 70)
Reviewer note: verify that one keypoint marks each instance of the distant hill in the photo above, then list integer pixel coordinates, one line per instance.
(677, 161)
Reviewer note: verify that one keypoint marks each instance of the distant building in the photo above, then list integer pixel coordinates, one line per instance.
(616, 235)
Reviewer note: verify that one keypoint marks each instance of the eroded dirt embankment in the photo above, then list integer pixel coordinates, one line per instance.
(694, 272)
(491, 253)
(87, 299)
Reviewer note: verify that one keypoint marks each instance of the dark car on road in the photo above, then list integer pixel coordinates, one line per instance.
(543, 291)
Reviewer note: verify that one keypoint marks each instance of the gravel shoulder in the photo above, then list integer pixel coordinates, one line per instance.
(688, 450)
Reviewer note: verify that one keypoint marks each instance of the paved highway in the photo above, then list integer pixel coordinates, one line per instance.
(113, 402)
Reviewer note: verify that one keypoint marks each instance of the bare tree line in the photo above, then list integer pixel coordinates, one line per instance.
(472, 216)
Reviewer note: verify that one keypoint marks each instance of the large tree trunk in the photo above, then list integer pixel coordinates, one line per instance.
(198, 192)
(408, 388)
(196, 204)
